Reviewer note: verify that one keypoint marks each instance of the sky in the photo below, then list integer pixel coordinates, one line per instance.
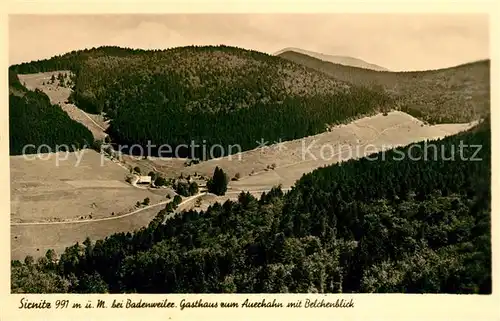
(394, 41)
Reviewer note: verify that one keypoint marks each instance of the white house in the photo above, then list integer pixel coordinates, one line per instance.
(144, 180)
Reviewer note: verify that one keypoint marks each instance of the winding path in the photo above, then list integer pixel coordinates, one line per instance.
(187, 200)
(93, 121)
(111, 218)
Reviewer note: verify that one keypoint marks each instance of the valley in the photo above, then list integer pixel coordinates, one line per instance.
(301, 196)
(81, 189)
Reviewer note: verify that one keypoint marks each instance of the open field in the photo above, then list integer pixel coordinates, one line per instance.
(57, 198)
(292, 159)
(35, 240)
(72, 186)
(59, 96)
(371, 135)
(57, 191)
(69, 196)
(170, 167)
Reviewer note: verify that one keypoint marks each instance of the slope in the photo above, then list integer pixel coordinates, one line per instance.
(50, 84)
(451, 95)
(283, 163)
(393, 224)
(34, 122)
(342, 60)
(207, 95)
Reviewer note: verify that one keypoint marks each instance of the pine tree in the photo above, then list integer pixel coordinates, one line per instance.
(218, 183)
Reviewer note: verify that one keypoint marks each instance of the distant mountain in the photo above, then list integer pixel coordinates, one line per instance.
(380, 224)
(449, 95)
(343, 60)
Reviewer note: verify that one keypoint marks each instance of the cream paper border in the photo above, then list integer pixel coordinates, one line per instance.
(367, 306)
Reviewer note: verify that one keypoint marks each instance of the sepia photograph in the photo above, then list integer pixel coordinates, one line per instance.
(242, 153)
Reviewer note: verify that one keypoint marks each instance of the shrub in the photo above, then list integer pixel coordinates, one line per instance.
(182, 188)
(177, 200)
(97, 145)
(186, 189)
(170, 207)
(160, 181)
(153, 175)
(193, 188)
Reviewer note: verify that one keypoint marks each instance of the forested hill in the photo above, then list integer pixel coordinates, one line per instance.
(214, 94)
(342, 60)
(34, 121)
(72, 60)
(383, 224)
(450, 95)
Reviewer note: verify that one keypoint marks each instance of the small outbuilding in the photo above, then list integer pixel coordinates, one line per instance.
(144, 180)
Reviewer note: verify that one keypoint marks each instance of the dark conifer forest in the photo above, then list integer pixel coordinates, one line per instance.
(388, 223)
(207, 95)
(35, 121)
(384, 224)
(450, 95)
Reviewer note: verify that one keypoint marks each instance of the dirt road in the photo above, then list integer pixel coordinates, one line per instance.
(36, 238)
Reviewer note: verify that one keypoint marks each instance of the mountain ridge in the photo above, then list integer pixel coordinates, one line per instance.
(457, 94)
(205, 93)
(338, 59)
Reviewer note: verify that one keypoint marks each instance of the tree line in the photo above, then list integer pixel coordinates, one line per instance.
(209, 95)
(383, 225)
(33, 120)
(450, 95)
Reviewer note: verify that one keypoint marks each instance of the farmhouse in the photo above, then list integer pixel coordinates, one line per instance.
(144, 180)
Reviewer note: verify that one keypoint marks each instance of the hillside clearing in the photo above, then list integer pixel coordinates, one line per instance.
(59, 95)
(49, 190)
(292, 159)
(198, 93)
(69, 187)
